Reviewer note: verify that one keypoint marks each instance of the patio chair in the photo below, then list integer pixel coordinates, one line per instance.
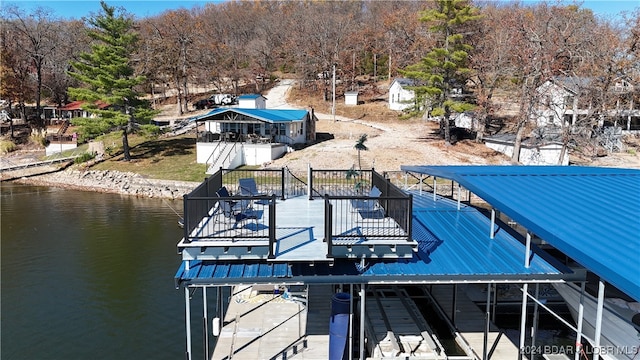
(237, 211)
(248, 187)
(369, 208)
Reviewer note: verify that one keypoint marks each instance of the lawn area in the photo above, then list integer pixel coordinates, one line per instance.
(158, 158)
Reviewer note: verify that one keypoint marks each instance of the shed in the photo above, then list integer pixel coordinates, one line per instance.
(351, 98)
(252, 101)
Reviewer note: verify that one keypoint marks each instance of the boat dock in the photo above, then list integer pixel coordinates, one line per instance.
(421, 241)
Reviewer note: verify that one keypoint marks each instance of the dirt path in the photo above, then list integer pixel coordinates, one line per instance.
(391, 143)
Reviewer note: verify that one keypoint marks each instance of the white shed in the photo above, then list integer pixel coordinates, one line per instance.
(351, 98)
(252, 101)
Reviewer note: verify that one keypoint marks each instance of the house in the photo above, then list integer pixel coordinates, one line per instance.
(400, 96)
(532, 151)
(251, 136)
(560, 104)
(76, 109)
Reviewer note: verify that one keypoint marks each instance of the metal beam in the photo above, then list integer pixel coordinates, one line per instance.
(599, 310)
(362, 315)
(205, 318)
(523, 318)
(580, 317)
(187, 316)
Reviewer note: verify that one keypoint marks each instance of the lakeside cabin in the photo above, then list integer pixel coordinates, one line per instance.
(250, 134)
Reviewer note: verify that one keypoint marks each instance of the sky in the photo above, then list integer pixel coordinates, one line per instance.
(76, 9)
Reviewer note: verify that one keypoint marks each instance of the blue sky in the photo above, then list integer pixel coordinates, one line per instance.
(143, 8)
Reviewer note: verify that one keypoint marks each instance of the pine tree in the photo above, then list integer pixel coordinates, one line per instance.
(444, 68)
(109, 79)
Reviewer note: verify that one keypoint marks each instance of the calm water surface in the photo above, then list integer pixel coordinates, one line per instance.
(90, 276)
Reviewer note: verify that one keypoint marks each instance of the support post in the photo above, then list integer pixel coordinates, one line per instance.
(205, 323)
(187, 316)
(534, 330)
(523, 319)
(362, 314)
(458, 197)
(350, 321)
(596, 338)
(487, 316)
(527, 251)
(493, 223)
(434, 188)
(579, 325)
(454, 303)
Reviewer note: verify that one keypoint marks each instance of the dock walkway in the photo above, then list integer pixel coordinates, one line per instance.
(268, 326)
(470, 322)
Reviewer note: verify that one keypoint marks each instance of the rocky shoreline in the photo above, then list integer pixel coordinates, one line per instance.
(110, 181)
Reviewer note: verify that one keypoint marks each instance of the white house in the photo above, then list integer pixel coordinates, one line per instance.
(400, 97)
(560, 104)
(251, 136)
(532, 152)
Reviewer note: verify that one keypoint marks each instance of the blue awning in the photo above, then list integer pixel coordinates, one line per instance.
(591, 214)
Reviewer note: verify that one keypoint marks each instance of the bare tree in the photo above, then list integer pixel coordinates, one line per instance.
(40, 37)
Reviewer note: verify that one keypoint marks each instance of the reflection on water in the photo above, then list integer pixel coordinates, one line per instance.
(89, 275)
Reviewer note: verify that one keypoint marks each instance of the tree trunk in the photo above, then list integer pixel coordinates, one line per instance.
(447, 126)
(515, 158)
(125, 145)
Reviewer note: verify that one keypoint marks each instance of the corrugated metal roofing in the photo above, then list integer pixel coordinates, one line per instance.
(589, 213)
(453, 246)
(250, 96)
(267, 115)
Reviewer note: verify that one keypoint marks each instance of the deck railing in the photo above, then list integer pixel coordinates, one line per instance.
(390, 218)
(339, 182)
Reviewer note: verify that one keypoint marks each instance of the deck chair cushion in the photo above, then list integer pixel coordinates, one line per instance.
(370, 203)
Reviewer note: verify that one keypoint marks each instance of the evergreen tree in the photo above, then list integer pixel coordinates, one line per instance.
(444, 68)
(108, 78)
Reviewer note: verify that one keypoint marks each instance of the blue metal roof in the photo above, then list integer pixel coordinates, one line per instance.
(454, 246)
(591, 214)
(267, 115)
(250, 96)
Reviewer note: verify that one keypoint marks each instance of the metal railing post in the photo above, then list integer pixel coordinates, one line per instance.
(185, 218)
(272, 227)
(328, 225)
(282, 183)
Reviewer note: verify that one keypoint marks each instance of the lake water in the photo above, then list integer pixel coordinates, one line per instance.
(90, 276)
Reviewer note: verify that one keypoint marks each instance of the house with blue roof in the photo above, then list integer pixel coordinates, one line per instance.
(251, 134)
